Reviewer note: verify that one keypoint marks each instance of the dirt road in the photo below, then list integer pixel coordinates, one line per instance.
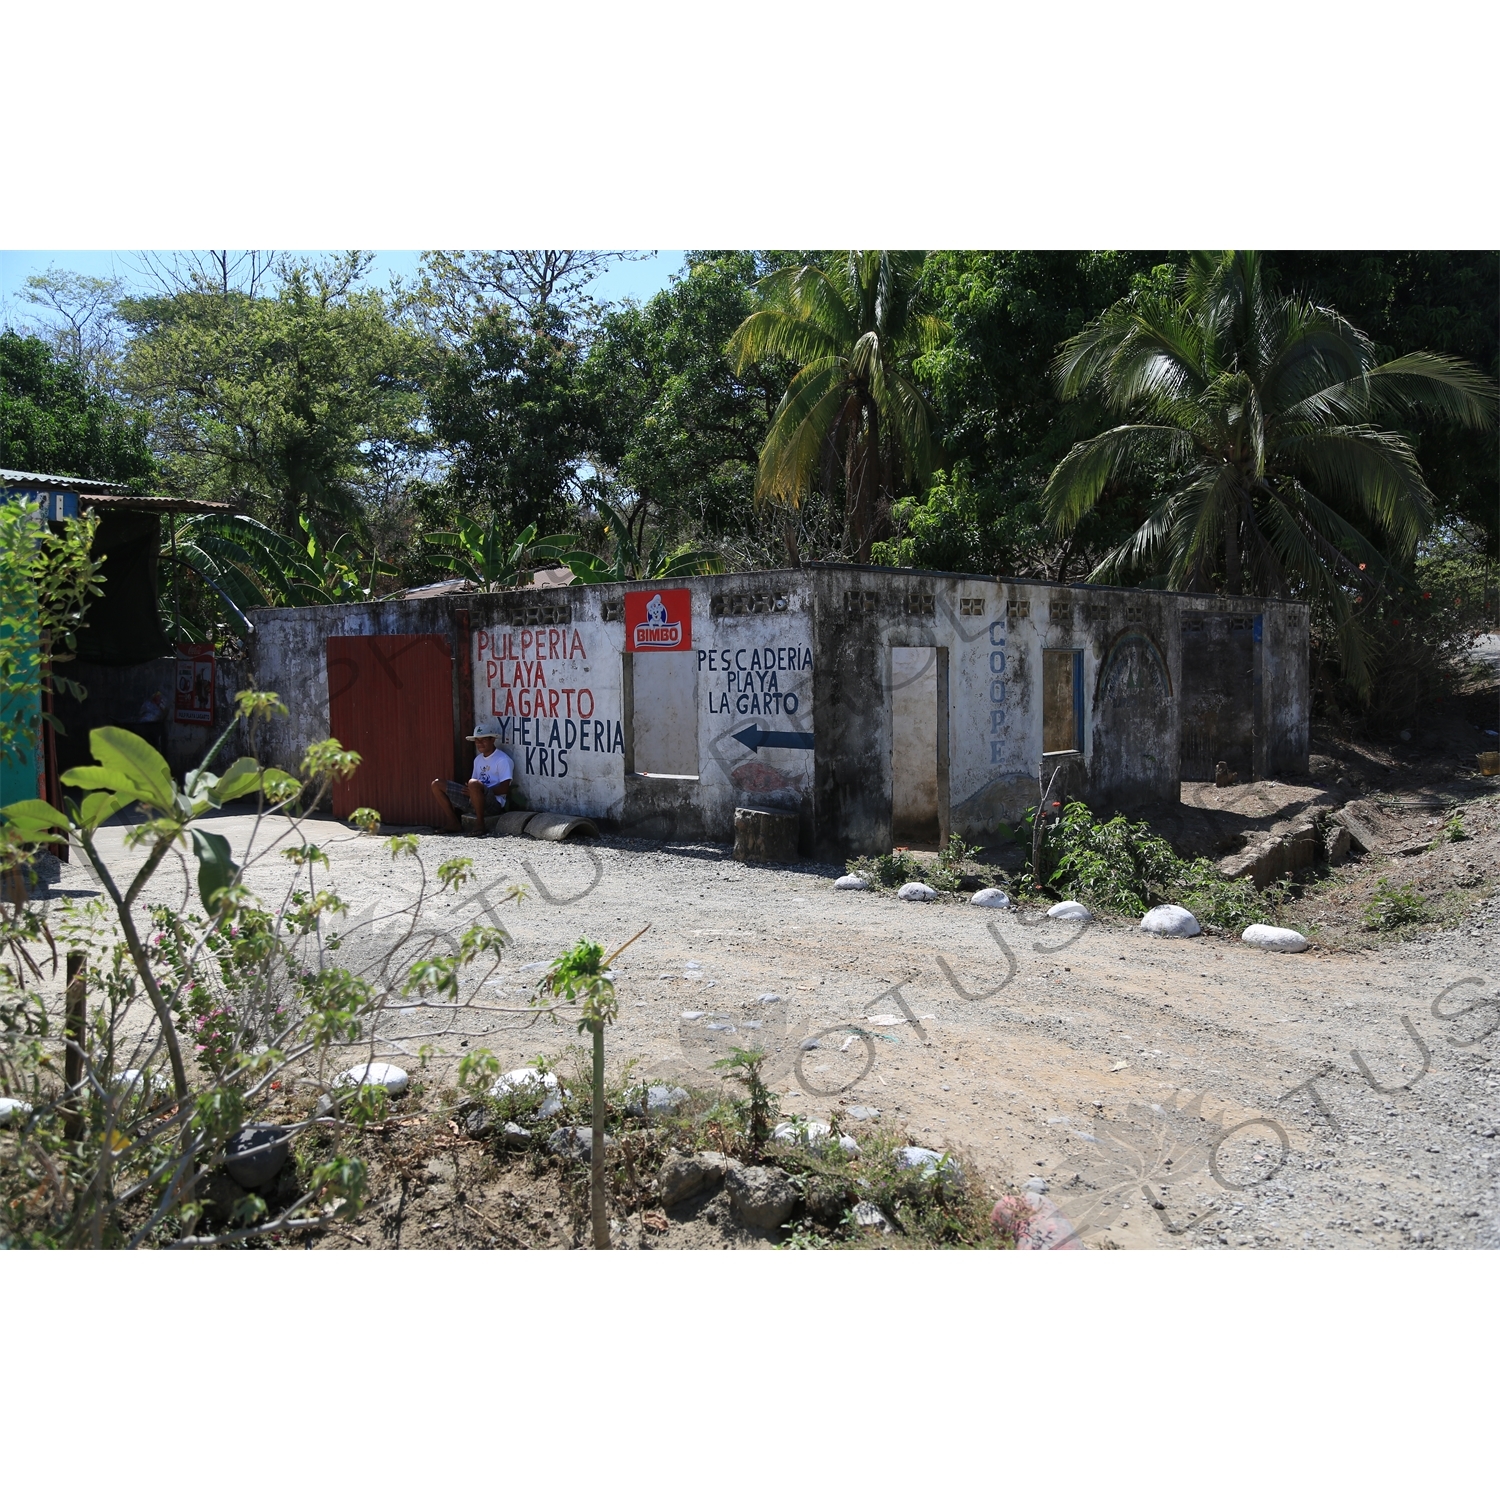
(1170, 1092)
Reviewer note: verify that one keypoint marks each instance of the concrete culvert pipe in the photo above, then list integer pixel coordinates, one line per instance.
(555, 827)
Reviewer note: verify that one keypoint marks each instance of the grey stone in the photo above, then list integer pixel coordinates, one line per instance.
(576, 1142)
(660, 1099)
(475, 1121)
(253, 1156)
(868, 1216)
(682, 1176)
(809, 1044)
(1036, 1185)
(1338, 844)
(515, 1135)
(862, 1112)
(762, 1197)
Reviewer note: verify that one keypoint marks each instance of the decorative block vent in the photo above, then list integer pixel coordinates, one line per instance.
(1192, 624)
(1060, 609)
(859, 601)
(1241, 622)
(1095, 612)
(519, 612)
(1135, 613)
(1018, 609)
(971, 607)
(921, 604)
(614, 612)
(722, 605)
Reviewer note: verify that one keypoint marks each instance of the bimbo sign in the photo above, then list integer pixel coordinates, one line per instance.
(659, 621)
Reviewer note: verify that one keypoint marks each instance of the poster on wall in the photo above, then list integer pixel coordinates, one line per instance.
(195, 684)
(659, 620)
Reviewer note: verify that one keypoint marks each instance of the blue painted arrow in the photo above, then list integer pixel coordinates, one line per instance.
(754, 737)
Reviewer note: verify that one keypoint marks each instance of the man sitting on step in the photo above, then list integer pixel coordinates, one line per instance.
(487, 789)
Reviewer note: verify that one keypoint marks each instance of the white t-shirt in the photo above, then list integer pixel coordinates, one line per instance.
(493, 769)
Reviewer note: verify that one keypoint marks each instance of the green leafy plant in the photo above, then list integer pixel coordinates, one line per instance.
(1123, 867)
(47, 578)
(200, 1008)
(1392, 906)
(582, 976)
(746, 1065)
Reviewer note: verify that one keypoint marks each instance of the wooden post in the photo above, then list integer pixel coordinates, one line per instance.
(75, 1025)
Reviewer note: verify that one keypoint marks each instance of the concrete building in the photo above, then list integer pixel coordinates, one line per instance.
(882, 706)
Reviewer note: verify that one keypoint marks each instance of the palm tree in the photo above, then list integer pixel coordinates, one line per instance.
(1258, 413)
(853, 330)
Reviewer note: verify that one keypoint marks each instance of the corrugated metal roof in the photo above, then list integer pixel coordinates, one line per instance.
(20, 479)
(107, 494)
(161, 503)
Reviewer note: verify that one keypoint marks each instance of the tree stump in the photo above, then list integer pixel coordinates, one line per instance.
(765, 837)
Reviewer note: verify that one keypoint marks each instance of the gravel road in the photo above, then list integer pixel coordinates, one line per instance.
(1171, 1093)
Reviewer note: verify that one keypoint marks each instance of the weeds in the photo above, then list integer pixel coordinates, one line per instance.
(757, 1109)
(1393, 906)
(1123, 867)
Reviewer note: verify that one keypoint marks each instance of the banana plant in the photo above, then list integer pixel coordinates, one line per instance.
(483, 556)
(627, 562)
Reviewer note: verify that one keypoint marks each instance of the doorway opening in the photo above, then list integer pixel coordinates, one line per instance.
(919, 746)
(1062, 701)
(661, 710)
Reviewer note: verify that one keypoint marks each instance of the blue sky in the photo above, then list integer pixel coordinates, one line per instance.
(639, 279)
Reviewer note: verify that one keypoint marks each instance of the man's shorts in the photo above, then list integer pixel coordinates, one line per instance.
(458, 796)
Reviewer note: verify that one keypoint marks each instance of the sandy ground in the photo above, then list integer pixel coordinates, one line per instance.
(1171, 1093)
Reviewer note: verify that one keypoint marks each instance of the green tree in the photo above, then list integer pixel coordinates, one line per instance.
(853, 329)
(680, 429)
(1262, 406)
(1000, 420)
(54, 420)
(510, 409)
(292, 402)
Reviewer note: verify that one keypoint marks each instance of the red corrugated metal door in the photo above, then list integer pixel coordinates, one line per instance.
(391, 698)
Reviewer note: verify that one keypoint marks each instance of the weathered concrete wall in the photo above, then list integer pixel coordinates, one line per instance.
(805, 658)
(1285, 689)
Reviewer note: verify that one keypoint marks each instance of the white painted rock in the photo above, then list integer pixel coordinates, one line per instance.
(13, 1111)
(920, 1159)
(851, 883)
(1171, 921)
(869, 1216)
(914, 890)
(813, 1134)
(1069, 911)
(379, 1075)
(133, 1081)
(530, 1078)
(1276, 939)
(990, 896)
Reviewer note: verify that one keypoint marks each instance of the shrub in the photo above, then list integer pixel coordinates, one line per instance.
(1393, 906)
(1123, 867)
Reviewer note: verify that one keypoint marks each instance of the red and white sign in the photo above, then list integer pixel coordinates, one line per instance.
(659, 620)
(195, 684)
